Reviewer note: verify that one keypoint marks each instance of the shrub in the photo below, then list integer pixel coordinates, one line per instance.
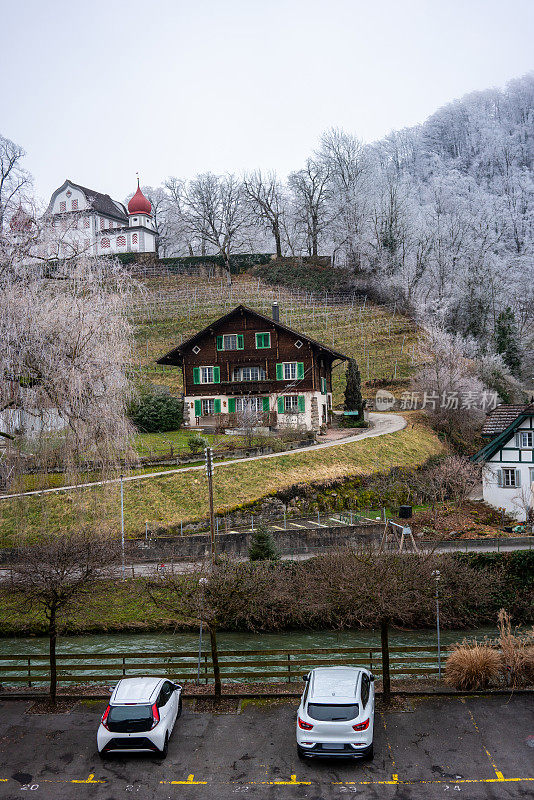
(262, 546)
(197, 443)
(517, 652)
(157, 411)
(471, 665)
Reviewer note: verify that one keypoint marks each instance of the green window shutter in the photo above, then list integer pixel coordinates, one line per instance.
(197, 408)
(196, 378)
(267, 340)
(301, 403)
(231, 405)
(279, 372)
(216, 374)
(300, 369)
(220, 343)
(280, 405)
(265, 403)
(258, 341)
(240, 341)
(217, 405)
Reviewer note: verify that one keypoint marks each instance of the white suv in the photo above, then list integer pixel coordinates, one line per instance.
(140, 716)
(336, 714)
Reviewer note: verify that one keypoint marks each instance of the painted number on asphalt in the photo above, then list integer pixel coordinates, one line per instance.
(29, 786)
(455, 788)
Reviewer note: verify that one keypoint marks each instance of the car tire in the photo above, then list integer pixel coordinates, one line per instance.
(302, 756)
(163, 753)
(370, 753)
(179, 712)
(103, 755)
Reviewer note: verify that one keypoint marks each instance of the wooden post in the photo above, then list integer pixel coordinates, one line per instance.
(29, 672)
(123, 666)
(289, 667)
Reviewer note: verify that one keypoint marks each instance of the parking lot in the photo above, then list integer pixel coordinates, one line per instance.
(475, 747)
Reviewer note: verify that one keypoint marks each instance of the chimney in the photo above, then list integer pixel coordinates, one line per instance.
(276, 312)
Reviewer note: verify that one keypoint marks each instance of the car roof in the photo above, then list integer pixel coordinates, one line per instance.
(136, 690)
(334, 684)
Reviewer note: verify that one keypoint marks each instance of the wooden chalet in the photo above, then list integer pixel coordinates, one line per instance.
(249, 370)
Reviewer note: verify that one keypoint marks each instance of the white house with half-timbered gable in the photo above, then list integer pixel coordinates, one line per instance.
(508, 456)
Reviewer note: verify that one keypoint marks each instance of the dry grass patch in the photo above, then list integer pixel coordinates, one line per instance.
(471, 665)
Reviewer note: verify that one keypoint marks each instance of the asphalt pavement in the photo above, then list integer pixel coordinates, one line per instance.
(479, 748)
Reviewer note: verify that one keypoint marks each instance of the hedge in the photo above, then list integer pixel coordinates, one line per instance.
(516, 590)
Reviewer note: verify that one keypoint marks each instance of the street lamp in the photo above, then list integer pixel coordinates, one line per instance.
(437, 575)
(202, 582)
(122, 529)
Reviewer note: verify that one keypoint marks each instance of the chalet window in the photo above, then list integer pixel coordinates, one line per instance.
(63, 205)
(207, 407)
(263, 341)
(249, 374)
(532, 474)
(206, 375)
(231, 341)
(509, 478)
(289, 371)
(524, 439)
(75, 205)
(253, 404)
(291, 404)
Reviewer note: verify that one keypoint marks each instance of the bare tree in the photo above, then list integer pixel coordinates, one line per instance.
(66, 347)
(215, 214)
(265, 195)
(312, 194)
(13, 177)
(55, 575)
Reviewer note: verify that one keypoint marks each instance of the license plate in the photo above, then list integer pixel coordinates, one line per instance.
(332, 747)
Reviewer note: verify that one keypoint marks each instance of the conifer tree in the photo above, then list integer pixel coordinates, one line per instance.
(353, 390)
(507, 341)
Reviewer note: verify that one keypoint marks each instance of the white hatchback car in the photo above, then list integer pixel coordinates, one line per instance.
(140, 716)
(336, 714)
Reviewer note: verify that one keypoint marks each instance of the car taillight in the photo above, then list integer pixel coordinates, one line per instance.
(304, 725)
(155, 715)
(105, 717)
(361, 726)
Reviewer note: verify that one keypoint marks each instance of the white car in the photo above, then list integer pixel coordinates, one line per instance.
(336, 714)
(140, 716)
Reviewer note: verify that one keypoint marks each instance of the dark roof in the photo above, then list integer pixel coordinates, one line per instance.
(501, 417)
(503, 435)
(175, 356)
(101, 203)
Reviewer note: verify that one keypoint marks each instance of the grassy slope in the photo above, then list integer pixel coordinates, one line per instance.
(168, 500)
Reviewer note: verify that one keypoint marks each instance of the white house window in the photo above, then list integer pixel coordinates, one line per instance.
(206, 374)
(208, 406)
(244, 404)
(291, 403)
(525, 439)
(134, 238)
(509, 478)
(86, 222)
(249, 374)
(105, 242)
(75, 205)
(532, 474)
(121, 241)
(63, 205)
(196, 349)
(102, 223)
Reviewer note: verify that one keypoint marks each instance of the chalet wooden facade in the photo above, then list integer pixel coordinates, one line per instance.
(247, 368)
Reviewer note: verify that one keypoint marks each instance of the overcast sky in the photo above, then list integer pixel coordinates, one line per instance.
(96, 91)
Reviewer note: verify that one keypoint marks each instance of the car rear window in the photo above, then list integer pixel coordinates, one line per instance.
(130, 719)
(330, 713)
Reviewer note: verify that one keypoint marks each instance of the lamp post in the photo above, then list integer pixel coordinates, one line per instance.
(202, 582)
(122, 529)
(437, 576)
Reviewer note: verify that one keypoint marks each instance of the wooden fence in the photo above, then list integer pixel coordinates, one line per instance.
(236, 665)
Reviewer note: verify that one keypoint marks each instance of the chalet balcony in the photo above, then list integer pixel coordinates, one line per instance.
(239, 388)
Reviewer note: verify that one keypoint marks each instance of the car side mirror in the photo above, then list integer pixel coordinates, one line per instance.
(306, 677)
(176, 687)
(372, 678)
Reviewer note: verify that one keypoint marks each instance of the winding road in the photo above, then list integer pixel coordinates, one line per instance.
(382, 424)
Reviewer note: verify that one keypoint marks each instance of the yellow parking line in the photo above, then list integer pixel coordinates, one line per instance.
(90, 779)
(387, 739)
(499, 774)
(189, 782)
(397, 782)
(292, 782)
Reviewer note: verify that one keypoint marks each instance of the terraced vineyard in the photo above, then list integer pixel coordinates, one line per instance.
(173, 308)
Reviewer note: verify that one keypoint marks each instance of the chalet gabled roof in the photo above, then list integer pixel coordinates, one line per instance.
(511, 419)
(101, 203)
(175, 356)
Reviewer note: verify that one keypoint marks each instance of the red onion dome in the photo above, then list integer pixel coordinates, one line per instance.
(139, 204)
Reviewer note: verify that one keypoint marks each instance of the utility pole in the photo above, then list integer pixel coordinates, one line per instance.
(437, 576)
(209, 472)
(122, 529)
